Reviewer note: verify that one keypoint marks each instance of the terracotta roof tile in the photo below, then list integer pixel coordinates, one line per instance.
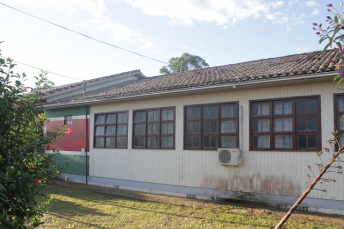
(293, 65)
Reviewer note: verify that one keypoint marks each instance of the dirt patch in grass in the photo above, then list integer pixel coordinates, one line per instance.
(75, 203)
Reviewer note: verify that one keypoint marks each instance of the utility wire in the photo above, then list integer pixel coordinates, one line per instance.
(45, 70)
(83, 34)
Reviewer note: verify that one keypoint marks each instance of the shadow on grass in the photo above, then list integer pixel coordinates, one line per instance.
(96, 196)
(76, 221)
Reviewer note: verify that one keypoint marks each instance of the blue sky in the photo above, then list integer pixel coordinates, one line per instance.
(220, 31)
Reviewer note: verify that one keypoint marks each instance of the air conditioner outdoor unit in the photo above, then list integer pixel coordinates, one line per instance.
(228, 156)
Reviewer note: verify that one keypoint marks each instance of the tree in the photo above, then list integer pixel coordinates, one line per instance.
(45, 82)
(183, 63)
(24, 166)
(334, 36)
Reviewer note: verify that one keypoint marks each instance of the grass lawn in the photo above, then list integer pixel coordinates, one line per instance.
(81, 206)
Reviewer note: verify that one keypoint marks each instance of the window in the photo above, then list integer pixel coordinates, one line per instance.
(154, 128)
(68, 120)
(211, 126)
(339, 112)
(286, 124)
(111, 130)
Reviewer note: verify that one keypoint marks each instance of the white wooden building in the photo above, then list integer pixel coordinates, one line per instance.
(164, 134)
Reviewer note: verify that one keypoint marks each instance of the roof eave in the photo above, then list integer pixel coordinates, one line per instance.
(261, 83)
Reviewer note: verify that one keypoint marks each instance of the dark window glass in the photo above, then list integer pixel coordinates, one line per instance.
(156, 130)
(216, 126)
(106, 126)
(294, 124)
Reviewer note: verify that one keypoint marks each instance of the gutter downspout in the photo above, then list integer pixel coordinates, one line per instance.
(86, 131)
(86, 141)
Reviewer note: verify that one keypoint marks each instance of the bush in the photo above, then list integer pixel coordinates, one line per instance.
(24, 166)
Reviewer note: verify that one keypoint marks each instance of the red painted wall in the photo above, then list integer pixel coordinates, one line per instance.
(74, 141)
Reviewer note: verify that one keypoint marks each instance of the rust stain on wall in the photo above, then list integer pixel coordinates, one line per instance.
(256, 183)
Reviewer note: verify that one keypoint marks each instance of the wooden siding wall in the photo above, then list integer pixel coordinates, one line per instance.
(282, 173)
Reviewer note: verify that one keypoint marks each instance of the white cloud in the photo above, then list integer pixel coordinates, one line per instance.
(83, 25)
(186, 12)
(315, 12)
(96, 9)
(311, 3)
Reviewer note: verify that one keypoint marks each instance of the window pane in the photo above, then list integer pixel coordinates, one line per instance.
(122, 129)
(284, 141)
(278, 141)
(99, 142)
(288, 124)
(111, 118)
(228, 126)
(257, 125)
(140, 128)
(312, 141)
(167, 128)
(232, 111)
(288, 108)
(341, 104)
(140, 116)
(189, 113)
(167, 142)
(224, 111)
(213, 126)
(111, 130)
(153, 128)
(192, 127)
(121, 141)
(213, 112)
(170, 115)
(265, 109)
(167, 115)
(206, 141)
(139, 141)
(100, 119)
(213, 141)
(209, 141)
(340, 123)
(189, 128)
(288, 141)
(261, 141)
(278, 108)
(152, 142)
(100, 130)
(265, 125)
(192, 141)
(301, 123)
(255, 109)
(312, 106)
(278, 124)
(283, 124)
(196, 127)
(302, 141)
(206, 127)
(122, 118)
(206, 112)
(301, 107)
(312, 123)
(193, 113)
(110, 142)
(153, 116)
(228, 142)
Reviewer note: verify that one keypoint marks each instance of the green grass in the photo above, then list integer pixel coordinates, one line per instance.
(77, 207)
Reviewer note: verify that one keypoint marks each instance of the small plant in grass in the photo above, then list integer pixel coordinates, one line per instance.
(25, 168)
